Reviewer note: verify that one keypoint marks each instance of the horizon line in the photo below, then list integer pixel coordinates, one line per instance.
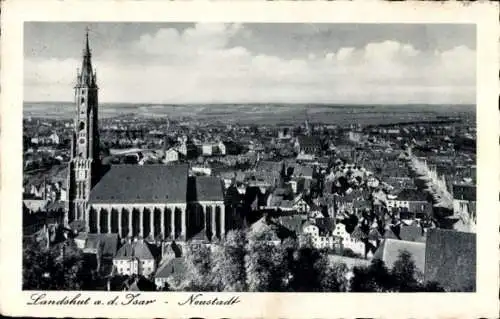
(269, 102)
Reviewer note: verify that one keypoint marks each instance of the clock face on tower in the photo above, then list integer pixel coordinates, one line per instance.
(82, 141)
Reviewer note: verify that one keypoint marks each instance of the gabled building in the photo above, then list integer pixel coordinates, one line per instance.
(411, 204)
(354, 241)
(171, 274)
(134, 258)
(171, 155)
(464, 207)
(320, 236)
(308, 145)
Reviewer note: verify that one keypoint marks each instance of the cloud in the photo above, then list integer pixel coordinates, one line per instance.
(198, 40)
(199, 64)
(344, 53)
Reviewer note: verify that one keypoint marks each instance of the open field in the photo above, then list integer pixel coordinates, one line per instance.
(264, 113)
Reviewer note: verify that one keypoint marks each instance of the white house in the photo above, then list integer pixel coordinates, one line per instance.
(54, 138)
(201, 170)
(464, 206)
(207, 149)
(182, 149)
(349, 242)
(405, 198)
(171, 156)
(134, 258)
(319, 241)
(63, 194)
(293, 185)
(221, 148)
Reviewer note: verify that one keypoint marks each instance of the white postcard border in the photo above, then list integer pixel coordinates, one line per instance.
(464, 305)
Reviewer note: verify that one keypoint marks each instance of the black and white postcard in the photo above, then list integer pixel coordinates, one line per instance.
(174, 161)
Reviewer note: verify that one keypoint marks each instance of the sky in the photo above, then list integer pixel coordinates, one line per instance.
(179, 63)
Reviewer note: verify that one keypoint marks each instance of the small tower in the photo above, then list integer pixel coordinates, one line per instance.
(85, 139)
(307, 127)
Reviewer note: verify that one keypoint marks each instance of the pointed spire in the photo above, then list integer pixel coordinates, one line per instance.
(87, 75)
(87, 46)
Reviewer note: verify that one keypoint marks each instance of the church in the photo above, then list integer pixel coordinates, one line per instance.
(155, 202)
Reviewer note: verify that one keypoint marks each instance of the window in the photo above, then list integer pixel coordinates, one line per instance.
(82, 126)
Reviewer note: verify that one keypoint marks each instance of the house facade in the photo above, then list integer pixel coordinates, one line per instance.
(134, 258)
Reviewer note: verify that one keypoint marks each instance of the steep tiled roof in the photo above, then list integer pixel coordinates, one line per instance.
(174, 268)
(374, 234)
(138, 249)
(302, 170)
(390, 249)
(390, 234)
(464, 192)
(142, 184)
(325, 225)
(106, 243)
(309, 141)
(209, 188)
(269, 166)
(358, 234)
(411, 233)
(56, 206)
(451, 259)
(292, 223)
(92, 241)
(411, 194)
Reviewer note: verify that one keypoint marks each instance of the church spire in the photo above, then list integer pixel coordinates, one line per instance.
(86, 77)
(87, 46)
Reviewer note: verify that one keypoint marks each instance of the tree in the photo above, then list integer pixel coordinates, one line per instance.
(404, 273)
(198, 268)
(60, 267)
(334, 278)
(374, 278)
(432, 286)
(117, 282)
(306, 270)
(229, 263)
(406, 277)
(146, 284)
(265, 265)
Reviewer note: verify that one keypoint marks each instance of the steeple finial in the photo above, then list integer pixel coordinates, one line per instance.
(87, 45)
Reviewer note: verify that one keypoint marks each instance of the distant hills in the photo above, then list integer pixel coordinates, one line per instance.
(261, 113)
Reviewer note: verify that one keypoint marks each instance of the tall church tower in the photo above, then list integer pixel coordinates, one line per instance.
(84, 163)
